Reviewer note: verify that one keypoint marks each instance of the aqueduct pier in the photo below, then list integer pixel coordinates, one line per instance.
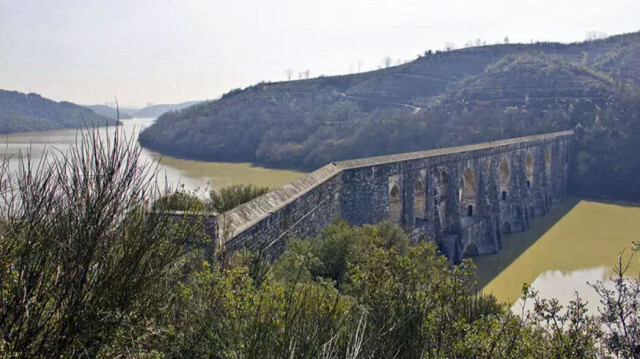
(465, 198)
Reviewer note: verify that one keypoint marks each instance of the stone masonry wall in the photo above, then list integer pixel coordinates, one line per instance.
(300, 209)
(470, 196)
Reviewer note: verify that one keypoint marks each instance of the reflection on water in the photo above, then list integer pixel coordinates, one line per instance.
(577, 243)
(192, 174)
(564, 286)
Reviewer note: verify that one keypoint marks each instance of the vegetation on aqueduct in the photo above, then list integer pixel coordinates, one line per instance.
(220, 200)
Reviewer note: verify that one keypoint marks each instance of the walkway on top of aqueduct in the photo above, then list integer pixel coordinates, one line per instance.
(465, 198)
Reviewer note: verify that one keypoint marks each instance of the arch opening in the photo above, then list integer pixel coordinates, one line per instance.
(419, 200)
(395, 200)
(529, 167)
(469, 188)
(395, 205)
(471, 251)
(442, 211)
(504, 178)
(444, 179)
(547, 162)
(506, 228)
(470, 211)
(440, 200)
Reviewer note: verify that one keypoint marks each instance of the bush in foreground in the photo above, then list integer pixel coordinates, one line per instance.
(81, 256)
(354, 292)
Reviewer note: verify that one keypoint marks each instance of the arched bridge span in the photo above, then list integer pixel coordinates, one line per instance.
(465, 198)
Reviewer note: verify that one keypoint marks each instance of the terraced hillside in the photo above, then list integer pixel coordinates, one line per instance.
(443, 99)
(21, 112)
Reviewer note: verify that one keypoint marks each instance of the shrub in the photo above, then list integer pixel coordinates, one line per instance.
(80, 254)
(229, 197)
(180, 200)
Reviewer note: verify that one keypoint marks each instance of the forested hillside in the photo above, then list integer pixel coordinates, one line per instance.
(438, 100)
(31, 112)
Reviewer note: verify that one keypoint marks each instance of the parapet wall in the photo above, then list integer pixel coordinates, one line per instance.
(465, 198)
(299, 209)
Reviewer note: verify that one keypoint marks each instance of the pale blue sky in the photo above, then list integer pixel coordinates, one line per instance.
(172, 51)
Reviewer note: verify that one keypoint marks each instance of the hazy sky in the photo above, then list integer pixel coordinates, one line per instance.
(87, 51)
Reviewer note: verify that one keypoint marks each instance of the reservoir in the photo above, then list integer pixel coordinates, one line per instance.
(194, 175)
(576, 244)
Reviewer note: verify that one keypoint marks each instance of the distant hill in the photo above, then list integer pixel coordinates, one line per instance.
(129, 110)
(149, 111)
(111, 112)
(438, 100)
(157, 110)
(21, 112)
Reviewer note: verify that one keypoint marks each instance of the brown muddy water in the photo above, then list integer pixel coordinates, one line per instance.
(194, 175)
(576, 244)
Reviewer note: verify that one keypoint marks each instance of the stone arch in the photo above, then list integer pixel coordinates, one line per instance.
(468, 191)
(529, 169)
(419, 196)
(444, 179)
(471, 250)
(547, 162)
(395, 204)
(504, 175)
(440, 199)
(442, 188)
(506, 227)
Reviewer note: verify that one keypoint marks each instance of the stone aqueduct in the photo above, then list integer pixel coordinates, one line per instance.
(465, 198)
